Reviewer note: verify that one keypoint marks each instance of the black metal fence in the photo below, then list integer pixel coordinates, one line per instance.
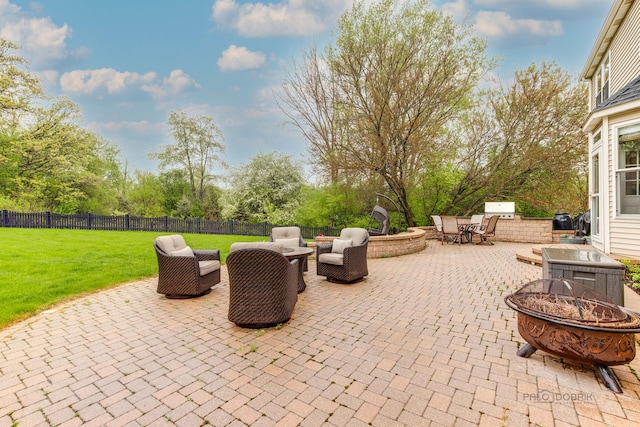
(162, 224)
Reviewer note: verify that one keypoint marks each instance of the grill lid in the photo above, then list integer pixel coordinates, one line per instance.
(571, 302)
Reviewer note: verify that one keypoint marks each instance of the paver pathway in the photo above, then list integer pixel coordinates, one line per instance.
(426, 339)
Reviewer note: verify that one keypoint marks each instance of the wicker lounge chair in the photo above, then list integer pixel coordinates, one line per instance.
(489, 231)
(184, 272)
(263, 285)
(289, 237)
(345, 259)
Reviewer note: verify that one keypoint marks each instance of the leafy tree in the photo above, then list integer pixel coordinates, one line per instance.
(211, 207)
(184, 207)
(175, 186)
(524, 142)
(266, 189)
(56, 165)
(380, 97)
(145, 196)
(18, 87)
(47, 161)
(333, 205)
(198, 143)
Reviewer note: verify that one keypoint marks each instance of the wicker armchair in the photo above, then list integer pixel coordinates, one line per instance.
(345, 259)
(263, 285)
(184, 272)
(289, 237)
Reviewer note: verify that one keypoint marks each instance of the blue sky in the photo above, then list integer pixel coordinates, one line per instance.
(128, 63)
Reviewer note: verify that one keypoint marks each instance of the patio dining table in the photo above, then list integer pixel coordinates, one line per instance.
(467, 232)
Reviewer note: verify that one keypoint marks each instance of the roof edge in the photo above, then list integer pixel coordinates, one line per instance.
(595, 118)
(617, 7)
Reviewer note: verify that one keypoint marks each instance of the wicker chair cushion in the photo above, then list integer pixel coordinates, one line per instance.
(207, 267)
(339, 245)
(331, 258)
(289, 243)
(285, 233)
(169, 244)
(278, 247)
(357, 235)
(186, 251)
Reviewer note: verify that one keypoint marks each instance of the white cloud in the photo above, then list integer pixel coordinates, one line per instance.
(48, 77)
(236, 58)
(143, 127)
(458, 9)
(42, 41)
(500, 25)
(287, 17)
(107, 81)
(177, 82)
(87, 82)
(224, 10)
(566, 5)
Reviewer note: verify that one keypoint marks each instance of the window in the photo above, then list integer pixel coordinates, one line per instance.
(595, 185)
(628, 171)
(602, 80)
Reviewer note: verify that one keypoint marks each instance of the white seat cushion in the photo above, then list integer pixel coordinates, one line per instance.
(207, 267)
(331, 258)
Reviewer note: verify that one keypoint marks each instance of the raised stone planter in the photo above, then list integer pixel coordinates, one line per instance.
(414, 240)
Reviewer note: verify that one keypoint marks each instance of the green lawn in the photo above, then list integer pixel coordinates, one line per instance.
(40, 268)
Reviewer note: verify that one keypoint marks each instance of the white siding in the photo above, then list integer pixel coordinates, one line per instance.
(624, 232)
(625, 237)
(625, 51)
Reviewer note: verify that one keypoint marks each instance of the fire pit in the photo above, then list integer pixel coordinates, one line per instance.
(570, 320)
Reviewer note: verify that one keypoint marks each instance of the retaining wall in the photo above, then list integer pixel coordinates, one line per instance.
(414, 240)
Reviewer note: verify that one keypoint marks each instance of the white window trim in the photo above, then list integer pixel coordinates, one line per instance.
(616, 159)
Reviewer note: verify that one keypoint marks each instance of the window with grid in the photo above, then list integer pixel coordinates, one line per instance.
(628, 173)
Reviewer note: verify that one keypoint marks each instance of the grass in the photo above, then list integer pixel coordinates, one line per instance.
(40, 268)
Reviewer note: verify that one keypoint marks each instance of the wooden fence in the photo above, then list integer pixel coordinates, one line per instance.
(162, 224)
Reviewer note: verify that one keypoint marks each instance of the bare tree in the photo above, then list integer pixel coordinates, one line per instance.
(310, 100)
(394, 77)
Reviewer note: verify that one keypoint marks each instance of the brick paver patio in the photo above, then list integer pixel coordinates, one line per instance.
(426, 339)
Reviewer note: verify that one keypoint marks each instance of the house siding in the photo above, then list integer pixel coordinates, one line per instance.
(624, 56)
(624, 232)
(625, 235)
(625, 53)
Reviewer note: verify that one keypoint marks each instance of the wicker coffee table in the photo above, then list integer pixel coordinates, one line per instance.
(298, 253)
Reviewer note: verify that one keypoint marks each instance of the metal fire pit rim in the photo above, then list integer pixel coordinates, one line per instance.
(560, 321)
